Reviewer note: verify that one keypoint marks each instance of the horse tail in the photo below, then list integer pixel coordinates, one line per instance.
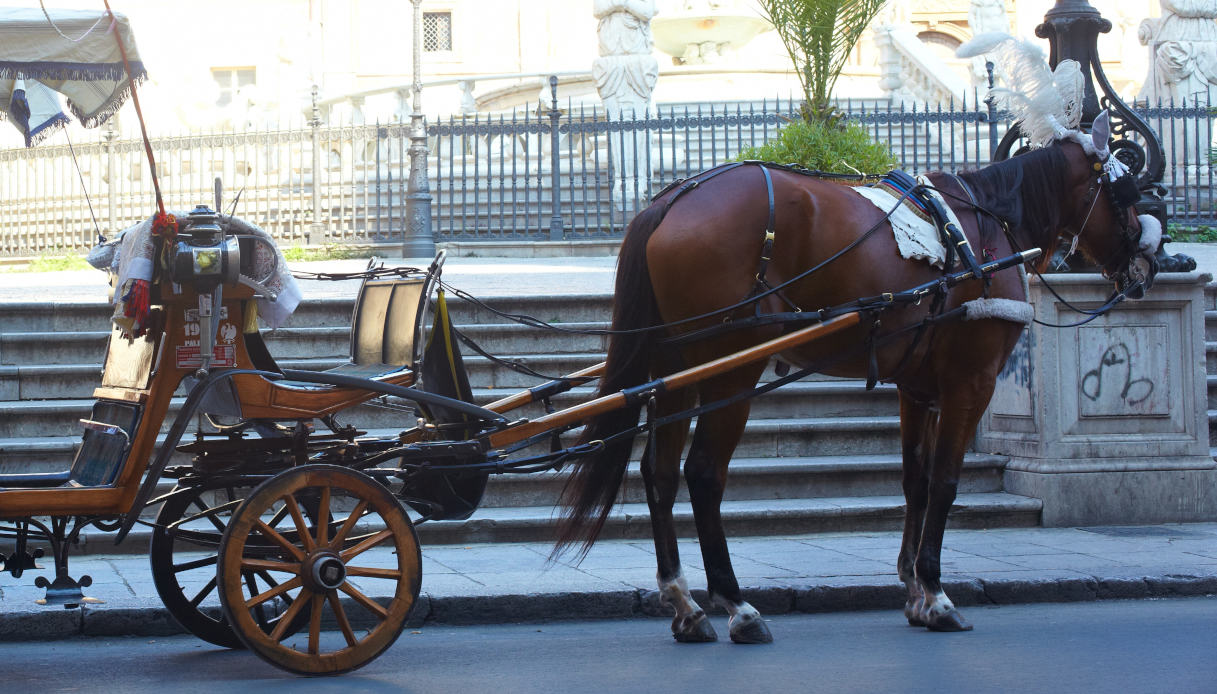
(595, 480)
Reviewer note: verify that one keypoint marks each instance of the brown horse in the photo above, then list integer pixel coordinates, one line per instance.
(701, 253)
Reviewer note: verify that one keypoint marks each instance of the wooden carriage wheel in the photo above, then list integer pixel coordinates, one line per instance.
(327, 570)
(184, 551)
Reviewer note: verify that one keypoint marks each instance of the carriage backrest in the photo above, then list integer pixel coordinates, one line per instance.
(384, 324)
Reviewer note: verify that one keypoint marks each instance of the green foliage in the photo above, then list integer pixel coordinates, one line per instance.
(1200, 234)
(838, 146)
(52, 261)
(819, 36)
(326, 252)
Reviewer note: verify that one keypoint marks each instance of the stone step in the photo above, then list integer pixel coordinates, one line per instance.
(740, 518)
(752, 518)
(83, 347)
(763, 438)
(29, 418)
(93, 316)
(796, 477)
(78, 380)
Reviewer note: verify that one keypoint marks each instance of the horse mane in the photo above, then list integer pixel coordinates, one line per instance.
(1025, 192)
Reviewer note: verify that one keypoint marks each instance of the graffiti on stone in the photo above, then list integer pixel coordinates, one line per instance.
(1119, 359)
(1123, 371)
(1012, 395)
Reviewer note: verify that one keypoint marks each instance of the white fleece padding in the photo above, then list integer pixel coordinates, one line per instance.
(1151, 232)
(1004, 309)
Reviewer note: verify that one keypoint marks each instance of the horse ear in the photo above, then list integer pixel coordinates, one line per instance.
(1100, 133)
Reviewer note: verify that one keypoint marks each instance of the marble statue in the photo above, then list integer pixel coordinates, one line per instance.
(986, 16)
(1183, 69)
(1183, 51)
(625, 75)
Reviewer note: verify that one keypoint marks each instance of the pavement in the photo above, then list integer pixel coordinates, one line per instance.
(826, 572)
(494, 583)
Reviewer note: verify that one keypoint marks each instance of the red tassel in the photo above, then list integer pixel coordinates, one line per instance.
(136, 306)
(164, 224)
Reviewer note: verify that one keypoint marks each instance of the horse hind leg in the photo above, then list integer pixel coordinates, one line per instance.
(661, 479)
(717, 434)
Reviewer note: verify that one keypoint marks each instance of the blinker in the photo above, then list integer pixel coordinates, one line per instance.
(1124, 191)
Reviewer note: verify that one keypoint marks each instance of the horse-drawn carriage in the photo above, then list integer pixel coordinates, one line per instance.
(281, 504)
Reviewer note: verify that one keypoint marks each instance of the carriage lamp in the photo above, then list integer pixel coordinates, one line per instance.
(204, 257)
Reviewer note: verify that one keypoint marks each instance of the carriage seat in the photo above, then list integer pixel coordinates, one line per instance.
(384, 328)
(103, 449)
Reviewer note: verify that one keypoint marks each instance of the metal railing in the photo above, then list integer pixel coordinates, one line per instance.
(523, 175)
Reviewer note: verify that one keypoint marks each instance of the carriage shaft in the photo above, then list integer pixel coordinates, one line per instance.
(680, 379)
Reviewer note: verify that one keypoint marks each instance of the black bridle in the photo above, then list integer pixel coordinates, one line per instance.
(1119, 186)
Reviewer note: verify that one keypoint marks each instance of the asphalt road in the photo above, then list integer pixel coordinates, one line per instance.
(1144, 646)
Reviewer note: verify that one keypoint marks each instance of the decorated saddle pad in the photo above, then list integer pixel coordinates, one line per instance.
(914, 231)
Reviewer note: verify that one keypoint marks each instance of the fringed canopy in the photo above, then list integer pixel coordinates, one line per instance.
(73, 53)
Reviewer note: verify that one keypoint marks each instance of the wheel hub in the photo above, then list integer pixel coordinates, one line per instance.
(324, 571)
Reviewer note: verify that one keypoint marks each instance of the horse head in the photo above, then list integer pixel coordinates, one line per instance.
(1104, 219)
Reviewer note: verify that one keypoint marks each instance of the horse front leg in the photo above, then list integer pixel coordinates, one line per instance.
(955, 429)
(661, 479)
(916, 436)
(715, 439)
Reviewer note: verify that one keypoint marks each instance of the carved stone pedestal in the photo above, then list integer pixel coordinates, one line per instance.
(1107, 423)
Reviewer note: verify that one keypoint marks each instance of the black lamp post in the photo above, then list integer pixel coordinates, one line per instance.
(1072, 28)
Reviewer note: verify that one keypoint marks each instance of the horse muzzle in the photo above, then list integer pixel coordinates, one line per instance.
(1138, 277)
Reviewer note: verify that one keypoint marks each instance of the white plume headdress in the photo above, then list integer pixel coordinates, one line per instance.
(1046, 103)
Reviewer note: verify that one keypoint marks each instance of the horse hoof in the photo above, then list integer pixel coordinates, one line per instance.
(751, 631)
(914, 621)
(694, 629)
(948, 621)
(912, 613)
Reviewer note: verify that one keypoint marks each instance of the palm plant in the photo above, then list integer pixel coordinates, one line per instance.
(819, 35)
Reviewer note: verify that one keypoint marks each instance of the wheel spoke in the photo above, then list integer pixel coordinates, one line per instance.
(370, 572)
(364, 600)
(198, 503)
(323, 517)
(278, 539)
(314, 624)
(367, 544)
(343, 623)
(301, 527)
(211, 585)
(342, 533)
(273, 592)
(209, 513)
(290, 615)
(269, 565)
(196, 564)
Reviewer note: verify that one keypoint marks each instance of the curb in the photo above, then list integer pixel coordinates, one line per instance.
(141, 617)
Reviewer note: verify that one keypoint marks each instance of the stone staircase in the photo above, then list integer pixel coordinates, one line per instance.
(817, 455)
